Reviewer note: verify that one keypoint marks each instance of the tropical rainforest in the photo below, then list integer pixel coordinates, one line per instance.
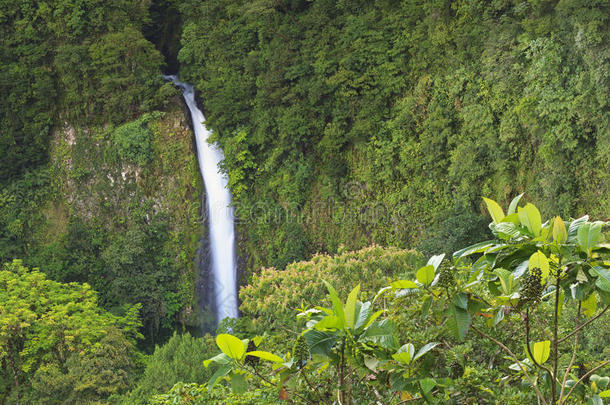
(421, 192)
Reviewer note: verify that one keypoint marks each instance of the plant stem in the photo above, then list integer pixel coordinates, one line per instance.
(583, 325)
(555, 342)
(503, 346)
(527, 344)
(311, 386)
(565, 376)
(341, 377)
(594, 369)
(270, 383)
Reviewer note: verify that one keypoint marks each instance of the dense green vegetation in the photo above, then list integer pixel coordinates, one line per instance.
(511, 320)
(359, 138)
(57, 345)
(384, 122)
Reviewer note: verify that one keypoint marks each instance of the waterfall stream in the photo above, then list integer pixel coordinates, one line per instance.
(220, 212)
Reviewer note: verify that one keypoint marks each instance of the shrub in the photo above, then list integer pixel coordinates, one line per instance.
(133, 141)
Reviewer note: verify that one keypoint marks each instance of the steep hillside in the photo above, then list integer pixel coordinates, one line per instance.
(124, 215)
(355, 122)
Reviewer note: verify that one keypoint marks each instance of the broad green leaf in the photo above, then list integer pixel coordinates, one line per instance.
(381, 292)
(507, 230)
(589, 305)
(512, 218)
(231, 346)
(605, 394)
(588, 234)
(541, 351)
(461, 300)
(498, 317)
(404, 355)
(562, 296)
(220, 358)
(573, 228)
(506, 281)
(320, 342)
(520, 269)
(603, 284)
(425, 275)
(363, 313)
(472, 249)
(539, 260)
(328, 322)
(373, 318)
(435, 261)
(424, 349)
(603, 279)
(400, 284)
(327, 311)
(600, 382)
(604, 295)
(602, 247)
(560, 233)
(371, 363)
(337, 304)
(266, 356)
(380, 332)
(496, 212)
(239, 385)
(427, 384)
(512, 208)
(530, 218)
(459, 321)
(221, 372)
(350, 307)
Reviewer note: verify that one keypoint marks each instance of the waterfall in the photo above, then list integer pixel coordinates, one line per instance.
(220, 212)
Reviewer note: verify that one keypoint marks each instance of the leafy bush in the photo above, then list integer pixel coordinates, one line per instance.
(517, 303)
(52, 333)
(195, 394)
(133, 141)
(180, 359)
(273, 297)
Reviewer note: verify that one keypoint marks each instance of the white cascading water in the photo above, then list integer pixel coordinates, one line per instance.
(220, 212)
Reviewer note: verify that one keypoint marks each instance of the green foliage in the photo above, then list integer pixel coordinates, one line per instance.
(527, 276)
(300, 285)
(133, 141)
(82, 61)
(129, 231)
(54, 332)
(180, 359)
(93, 378)
(422, 105)
(21, 213)
(194, 394)
(64, 63)
(347, 341)
(127, 73)
(497, 345)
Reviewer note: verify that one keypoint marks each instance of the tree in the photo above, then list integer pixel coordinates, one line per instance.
(347, 352)
(529, 275)
(179, 359)
(88, 378)
(43, 324)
